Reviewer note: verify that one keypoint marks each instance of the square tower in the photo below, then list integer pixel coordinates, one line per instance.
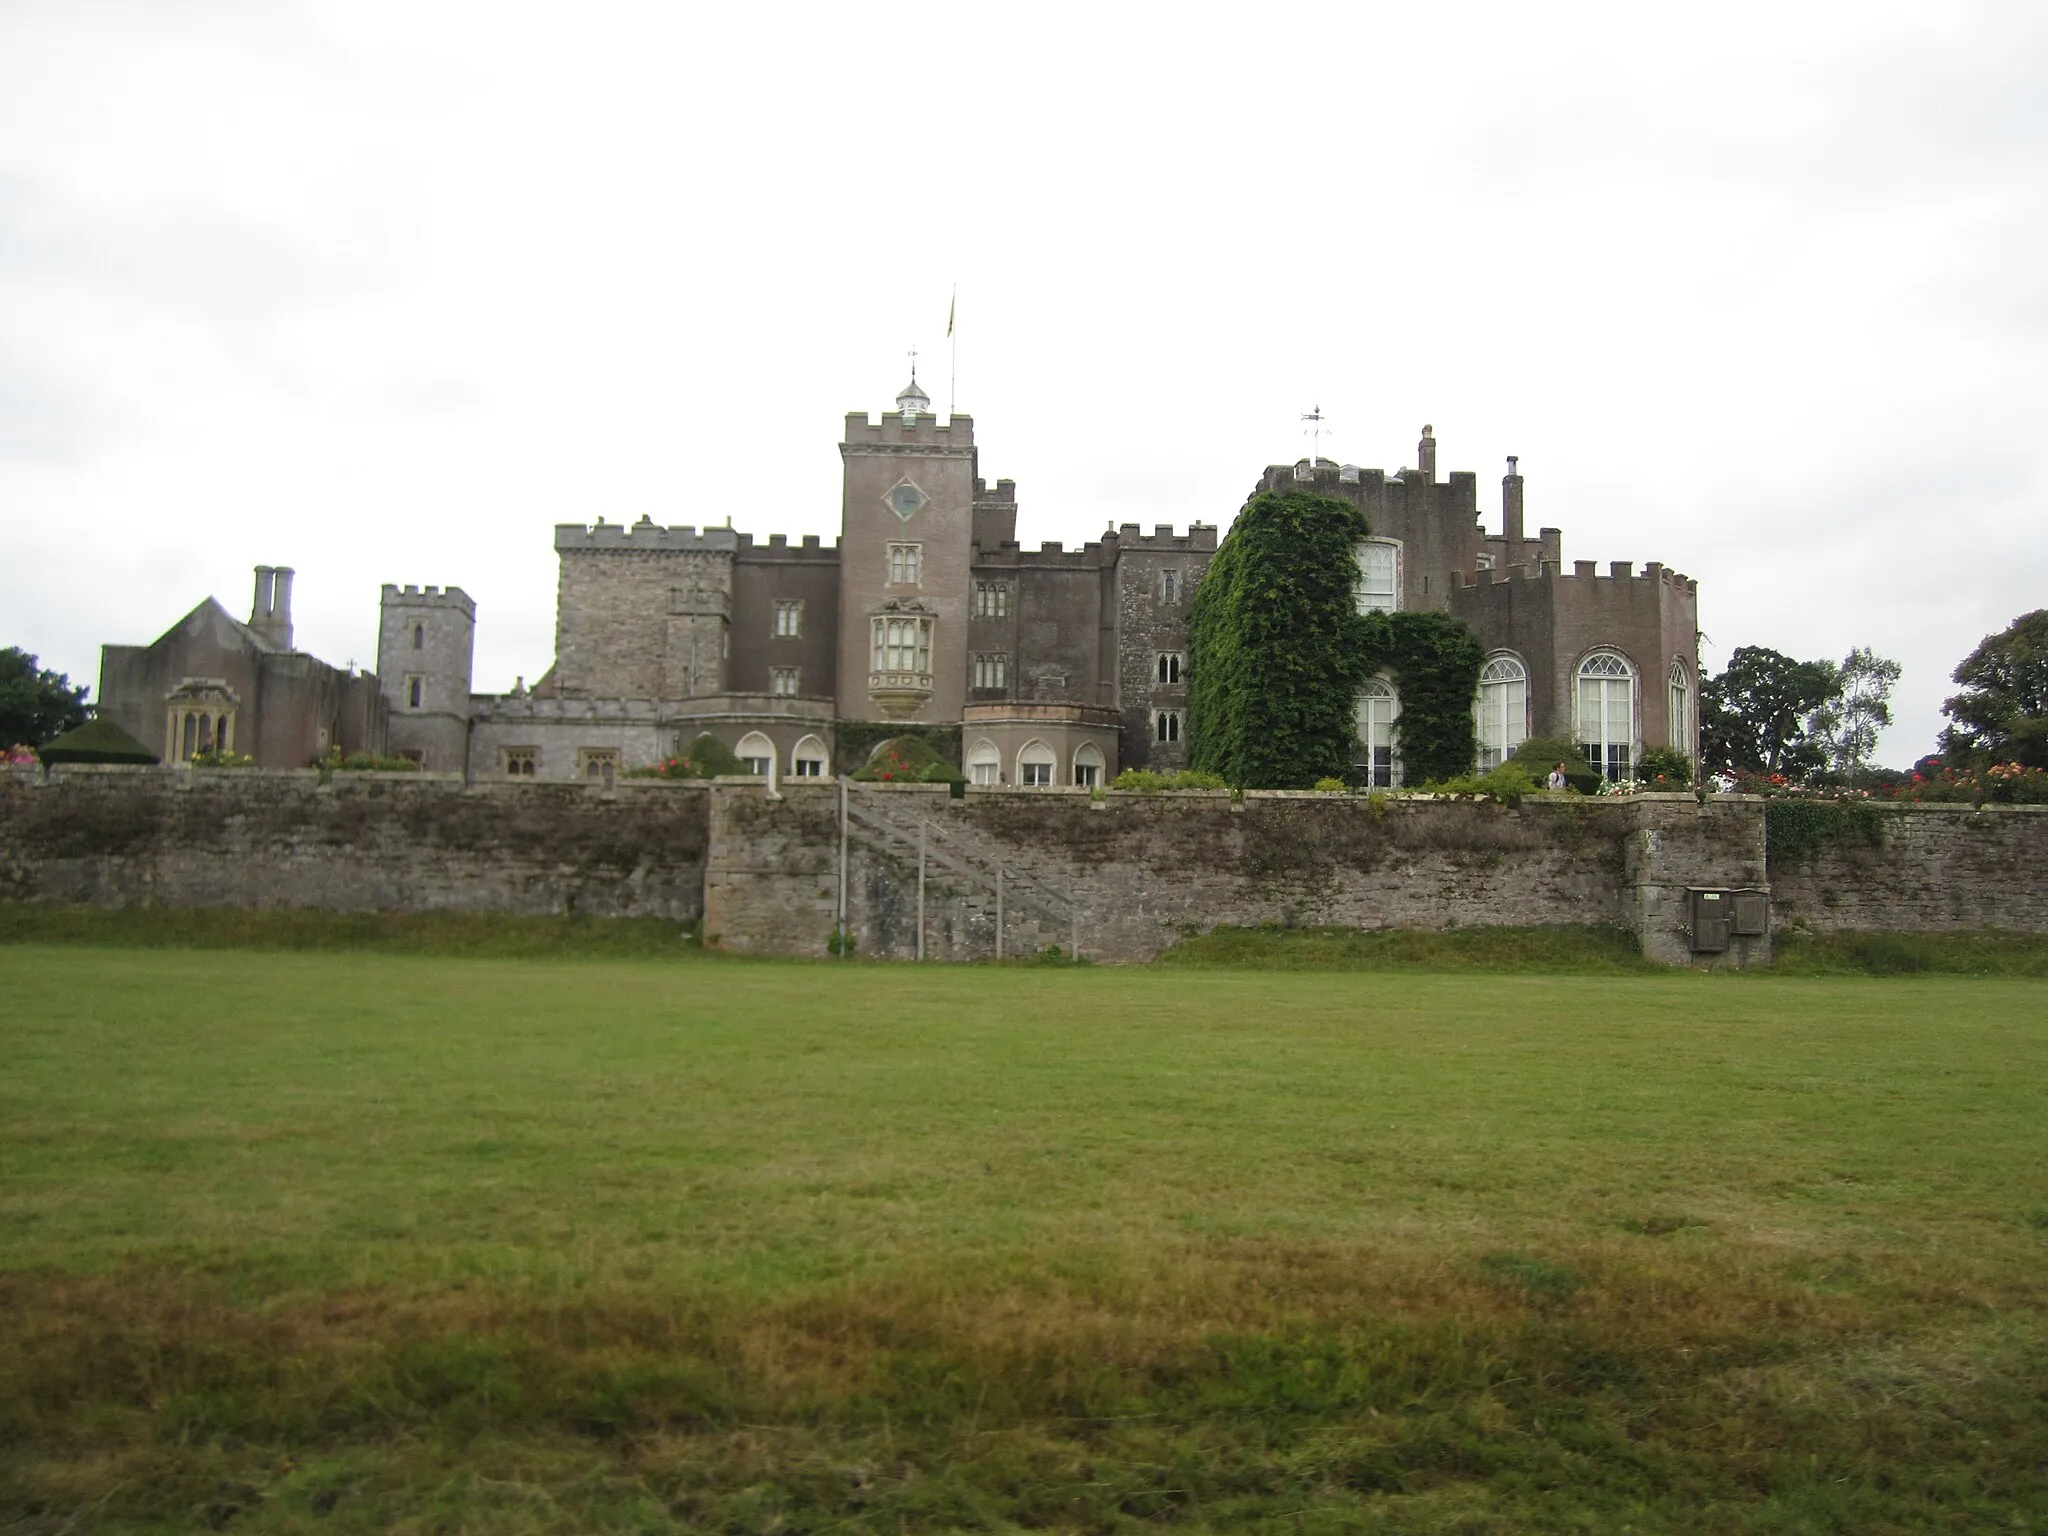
(426, 643)
(905, 559)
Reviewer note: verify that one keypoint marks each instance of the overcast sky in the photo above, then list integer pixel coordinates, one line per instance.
(384, 292)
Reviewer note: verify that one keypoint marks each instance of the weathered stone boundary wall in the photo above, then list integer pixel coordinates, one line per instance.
(1938, 868)
(1143, 871)
(1127, 875)
(356, 842)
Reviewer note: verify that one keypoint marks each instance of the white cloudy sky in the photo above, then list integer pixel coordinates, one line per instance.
(384, 291)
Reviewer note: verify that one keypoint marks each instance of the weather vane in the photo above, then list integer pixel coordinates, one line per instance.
(913, 365)
(1316, 419)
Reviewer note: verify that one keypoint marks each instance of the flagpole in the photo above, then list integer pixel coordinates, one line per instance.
(953, 373)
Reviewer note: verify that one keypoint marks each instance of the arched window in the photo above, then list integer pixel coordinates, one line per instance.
(1379, 709)
(1035, 765)
(1378, 588)
(419, 637)
(985, 763)
(757, 752)
(1169, 666)
(808, 759)
(1166, 724)
(1680, 710)
(1088, 766)
(1503, 710)
(1607, 714)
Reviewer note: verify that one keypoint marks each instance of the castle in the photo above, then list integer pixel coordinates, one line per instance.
(1059, 667)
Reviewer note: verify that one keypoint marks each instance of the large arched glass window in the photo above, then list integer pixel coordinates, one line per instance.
(1377, 759)
(1379, 574)
(1607, 714)
(985, 763)
(1680, 710)
(1036, 765)
(1503, 711)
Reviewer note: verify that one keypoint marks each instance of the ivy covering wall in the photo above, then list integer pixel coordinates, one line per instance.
(1277, 652)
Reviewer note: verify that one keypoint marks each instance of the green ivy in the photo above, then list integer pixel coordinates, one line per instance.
(1795, 828)
(1277, 652)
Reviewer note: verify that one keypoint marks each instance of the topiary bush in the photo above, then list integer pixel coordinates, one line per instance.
(906, 760)
(1143, 781)
(705, 758)
(1539, 754)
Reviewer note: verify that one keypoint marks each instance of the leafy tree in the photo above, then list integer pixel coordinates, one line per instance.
(2002, 713)
(1758, 715)
(35, 704)
(1848, 724)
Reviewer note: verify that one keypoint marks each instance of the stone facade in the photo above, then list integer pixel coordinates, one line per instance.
(211, 682)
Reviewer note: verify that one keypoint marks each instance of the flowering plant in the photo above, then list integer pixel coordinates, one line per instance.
(20, 756)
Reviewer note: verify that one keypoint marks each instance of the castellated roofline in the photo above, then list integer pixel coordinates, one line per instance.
(1582, 570)
(1199, 539)
(644, 535)
(395, 596)
(892, 431)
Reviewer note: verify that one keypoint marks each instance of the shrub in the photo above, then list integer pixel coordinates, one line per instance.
(1539, 754)
(99, 740)
(1331, 786)
(1507, 784)
(1665, 768)
(906, 760)
(364, 762)
(222, 760)
(1143, 781)
(705, 758)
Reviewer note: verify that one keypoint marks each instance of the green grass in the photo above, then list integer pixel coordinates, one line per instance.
(1562, 947)
(356, 1242)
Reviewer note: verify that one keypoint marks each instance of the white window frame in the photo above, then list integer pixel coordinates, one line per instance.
(785, 682)
(1678, 708)
(1609, 741)
(758, 753)
(808, 759)
(906, 564)
(991, 599)
(984, 763)
(991, 669)
(789, 618)
(1364, 589)
(1500, 714)
(1088, 766)
(1377, 754)
(901, 644)
(1037, 772)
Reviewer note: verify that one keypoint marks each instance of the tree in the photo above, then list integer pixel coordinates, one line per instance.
(1758, 715)
(1849, 723)
(35, 704)
(2002, 713)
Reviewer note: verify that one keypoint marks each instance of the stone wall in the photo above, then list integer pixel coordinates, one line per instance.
(1939, 868)
(359, 842)
(1128, 875)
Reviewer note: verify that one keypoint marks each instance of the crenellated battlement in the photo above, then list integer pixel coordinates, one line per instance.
(1199, 539)
(925, 430)
(1618, 571)
(644, 535)
(395, 596)
(779, 548)
(1053, 552)
(1004, 493)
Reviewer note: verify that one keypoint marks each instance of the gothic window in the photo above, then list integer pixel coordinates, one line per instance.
(1167, 667)
(1088, 766)
(1606, 714)
(902, 645)
(757, 752)
(1484, 560)
(1166, 725)
(597, 765)
(1378, 758)
(906, 565)
(1169, 585)
(1680, 709)
(415, 687)
(808, 760)
(1503, 711)
(783, 681)
(1378, 587)
(789, 620)
(991, 670)
(985, 763)
(419, 637)
(991, 599)
(520, 762)
(1035, 765)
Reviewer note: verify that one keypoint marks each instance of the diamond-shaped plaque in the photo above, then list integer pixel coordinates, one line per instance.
(905, 499)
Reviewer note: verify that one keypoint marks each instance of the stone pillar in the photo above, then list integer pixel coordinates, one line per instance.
(1678, 844)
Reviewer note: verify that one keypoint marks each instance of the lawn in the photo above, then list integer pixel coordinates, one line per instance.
(368, 1241)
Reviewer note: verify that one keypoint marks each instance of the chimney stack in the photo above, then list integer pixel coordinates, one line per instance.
(1425, 455)
(1511, 508)
(281, 608)
(259, 611)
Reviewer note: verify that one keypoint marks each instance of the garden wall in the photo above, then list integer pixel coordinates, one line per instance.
(353, 842)
(1921, 869)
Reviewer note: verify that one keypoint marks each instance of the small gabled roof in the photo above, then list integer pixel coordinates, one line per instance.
(228, 629)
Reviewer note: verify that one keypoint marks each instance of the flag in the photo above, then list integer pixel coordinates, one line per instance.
(955, 304)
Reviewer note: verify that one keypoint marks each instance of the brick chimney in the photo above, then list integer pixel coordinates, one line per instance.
(1511, 508)
(271, 614)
